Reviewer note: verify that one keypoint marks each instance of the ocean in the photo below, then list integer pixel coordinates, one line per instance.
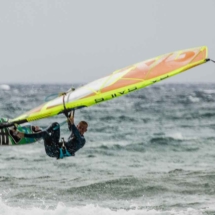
(151, 152)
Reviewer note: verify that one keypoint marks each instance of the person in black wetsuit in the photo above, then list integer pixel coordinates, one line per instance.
(51, 137)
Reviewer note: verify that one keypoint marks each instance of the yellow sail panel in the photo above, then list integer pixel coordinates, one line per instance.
(121, 82)
(157, 67)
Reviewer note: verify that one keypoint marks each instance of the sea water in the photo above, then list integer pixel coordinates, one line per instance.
(149, 152)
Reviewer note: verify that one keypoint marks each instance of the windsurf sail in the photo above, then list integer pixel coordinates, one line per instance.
(120, 82)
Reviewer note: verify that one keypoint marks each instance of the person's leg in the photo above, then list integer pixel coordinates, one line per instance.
(51, 140)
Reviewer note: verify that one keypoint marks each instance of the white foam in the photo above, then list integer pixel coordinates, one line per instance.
(209, 91)
(5, 87)
(61, 209)
(193, 99)
(179, 136)
(176, 136)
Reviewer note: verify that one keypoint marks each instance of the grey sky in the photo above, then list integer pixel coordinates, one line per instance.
(67, 41)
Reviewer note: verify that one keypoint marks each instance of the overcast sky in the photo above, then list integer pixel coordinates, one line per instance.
(69, 41)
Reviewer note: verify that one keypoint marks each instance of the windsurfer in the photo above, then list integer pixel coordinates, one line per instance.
(51, 137)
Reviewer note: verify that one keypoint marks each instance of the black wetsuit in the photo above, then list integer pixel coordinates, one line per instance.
(53, 147)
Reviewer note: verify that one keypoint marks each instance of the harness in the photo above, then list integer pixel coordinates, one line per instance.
(63, 150)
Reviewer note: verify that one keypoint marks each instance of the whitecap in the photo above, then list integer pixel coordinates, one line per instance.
(193, 99)
(209, 91)
(5, 87)
(89, 210)
(176, 136)
(179, 136)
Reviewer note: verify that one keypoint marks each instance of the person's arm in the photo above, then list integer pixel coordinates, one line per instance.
(75, 131)
(70, 120)
(77, 134)
(37, 135)
(69, 125)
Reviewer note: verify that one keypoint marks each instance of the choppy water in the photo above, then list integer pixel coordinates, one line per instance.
(150, 152)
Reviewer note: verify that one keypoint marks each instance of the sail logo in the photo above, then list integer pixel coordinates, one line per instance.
(114, 95)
